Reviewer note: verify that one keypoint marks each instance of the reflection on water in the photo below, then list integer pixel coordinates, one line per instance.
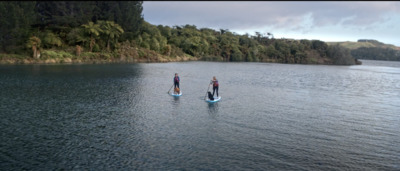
(176, 101)
(273, 117)
(213, 109)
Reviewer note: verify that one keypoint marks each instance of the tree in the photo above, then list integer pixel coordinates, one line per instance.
(50, 39)
(16, 18)
(340, 55)
(93, 30)
(165, 31)
(34, 43)
(270, 34)
(154, 44)
(127, 14)
(236, 54)
(320, 46)
(223, 31)
(258, 36)
(111, 30)
(53, 14)
(272, 52)
(76, 36)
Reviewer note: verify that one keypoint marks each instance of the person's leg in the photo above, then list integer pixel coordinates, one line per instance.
(213, 91)
(217, 90)
(176, 84)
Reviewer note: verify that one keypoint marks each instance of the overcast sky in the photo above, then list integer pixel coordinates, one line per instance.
(326, 21)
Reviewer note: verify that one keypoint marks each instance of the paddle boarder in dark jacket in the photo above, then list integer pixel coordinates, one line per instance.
(176, 80)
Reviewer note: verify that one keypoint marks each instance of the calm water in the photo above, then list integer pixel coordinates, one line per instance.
(271, 117)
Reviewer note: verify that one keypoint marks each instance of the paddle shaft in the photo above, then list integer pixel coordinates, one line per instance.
(207, 91)
(170, 89)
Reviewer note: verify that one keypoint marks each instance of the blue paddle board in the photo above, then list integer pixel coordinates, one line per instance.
(216, 99)
(176, 95)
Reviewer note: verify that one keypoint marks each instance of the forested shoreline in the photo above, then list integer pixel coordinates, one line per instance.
(115, 31)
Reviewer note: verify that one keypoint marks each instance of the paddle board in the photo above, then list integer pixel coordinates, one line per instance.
(216, 99)
(176, 95)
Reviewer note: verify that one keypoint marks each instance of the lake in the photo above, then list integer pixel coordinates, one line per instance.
(271, 117)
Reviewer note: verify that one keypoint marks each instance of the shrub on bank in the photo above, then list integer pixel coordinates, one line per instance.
(51, 54)
(12, 56)
(212, 58)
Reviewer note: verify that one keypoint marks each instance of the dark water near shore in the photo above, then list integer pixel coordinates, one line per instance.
(271, 117)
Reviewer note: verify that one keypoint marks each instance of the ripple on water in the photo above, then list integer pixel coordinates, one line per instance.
(271, 117)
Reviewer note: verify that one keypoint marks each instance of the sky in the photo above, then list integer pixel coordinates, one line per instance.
(329, 21)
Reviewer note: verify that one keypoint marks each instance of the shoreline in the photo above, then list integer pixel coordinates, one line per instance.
(71, 61)
(130, 57)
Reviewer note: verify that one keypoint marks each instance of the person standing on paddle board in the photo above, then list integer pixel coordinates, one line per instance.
(176, 80)
(215, 84)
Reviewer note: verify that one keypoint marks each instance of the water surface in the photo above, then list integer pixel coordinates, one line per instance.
(271, 117)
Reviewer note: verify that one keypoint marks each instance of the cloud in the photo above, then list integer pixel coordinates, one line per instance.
(300, 16)
(240, 15)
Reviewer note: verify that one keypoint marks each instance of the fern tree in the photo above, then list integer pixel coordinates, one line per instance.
(111, 30)
(34, 43)
(50, 40)
(93, 30)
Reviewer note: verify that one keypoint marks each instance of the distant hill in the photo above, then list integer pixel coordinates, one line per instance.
(367, 43)
(371, 49)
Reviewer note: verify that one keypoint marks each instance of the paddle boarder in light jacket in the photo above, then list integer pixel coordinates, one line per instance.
(215, 84)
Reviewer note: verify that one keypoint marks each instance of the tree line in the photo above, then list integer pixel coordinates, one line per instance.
(102, 26)
(376, 53)
(225, 45)
(59, 23)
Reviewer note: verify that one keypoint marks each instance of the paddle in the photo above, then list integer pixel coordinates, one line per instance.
(170, 89)
(207, 91)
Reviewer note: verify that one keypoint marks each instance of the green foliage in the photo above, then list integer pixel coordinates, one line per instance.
(33, 42)
(306, 44)
(212, 58)
(22, 19)
(12, 56)
(165, 31)
(98, 26)
(16, 19)
(154, 44)
(271, 52)
(127, 14)
(64, 13)
(50, 40)
(340, 55)
(176, 51)
(50, 54)
(371, 49)
(376, 53)
(320, 46)
(96, 48)
(141, 54)
(237, 54)
(93, 30)
(110, 32)
(151, 38)
(300, 57)
(76, 37)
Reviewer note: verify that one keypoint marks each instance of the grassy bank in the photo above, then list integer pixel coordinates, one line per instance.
(134, 56)
(57, 56)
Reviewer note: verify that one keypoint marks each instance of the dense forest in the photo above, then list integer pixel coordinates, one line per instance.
(376, 53)
(115, 31)
(379, 52)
